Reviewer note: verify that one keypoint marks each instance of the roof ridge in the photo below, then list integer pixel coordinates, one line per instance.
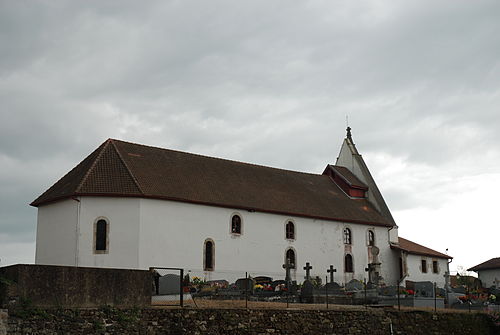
(136, 182)
(218, 158)
(94, 163)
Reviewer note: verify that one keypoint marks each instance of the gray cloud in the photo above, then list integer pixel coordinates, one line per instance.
(264, 82)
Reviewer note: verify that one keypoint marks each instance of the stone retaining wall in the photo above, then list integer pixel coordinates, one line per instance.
(70, 286)
(240, 321)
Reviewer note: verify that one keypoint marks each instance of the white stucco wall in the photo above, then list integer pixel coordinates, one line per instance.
(414, 269)
(490, 278)
(146, 232)
(123, 215)
(173, 234)
(56, 233)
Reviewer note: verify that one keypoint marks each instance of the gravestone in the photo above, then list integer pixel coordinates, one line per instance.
(333, 287)
(244, 284)
(354, 285)
(306, 293)
(220, 283)
(424, 289)
(263, 280)
(169, 284)
(389, 291)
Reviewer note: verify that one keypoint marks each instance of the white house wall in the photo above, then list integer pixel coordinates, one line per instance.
(414, 269)
(172, 234)
(490, 278)
(56, 233)
(122, 214)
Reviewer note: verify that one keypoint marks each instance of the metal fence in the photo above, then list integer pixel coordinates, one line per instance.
(276, 290)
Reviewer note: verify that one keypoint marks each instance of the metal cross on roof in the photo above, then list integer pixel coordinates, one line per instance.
(308, 268)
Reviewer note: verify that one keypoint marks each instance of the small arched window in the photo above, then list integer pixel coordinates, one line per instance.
(290, 230)
(101, 236)
(236, 224)
(209, 255)
(290, 258)
(348, 263)
(347, 236)
(371, 238)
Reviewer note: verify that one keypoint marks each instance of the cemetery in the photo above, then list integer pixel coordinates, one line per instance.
(169, 287)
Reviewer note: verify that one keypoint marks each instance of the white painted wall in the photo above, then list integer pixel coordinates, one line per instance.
(56, 233)
(414, 269)
(490, 278)
(173, 233)
(146, 232)
(122, 215)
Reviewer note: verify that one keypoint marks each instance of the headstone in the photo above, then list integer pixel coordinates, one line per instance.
(354, 285)
(424, 289)
(221, 283)
(308, 269)
(288, 266)
(331, 271)
(244, 284)
(459, 289)
(263, 280)
(333, 287)
(306, 293)
(169, 284)
(389, 291)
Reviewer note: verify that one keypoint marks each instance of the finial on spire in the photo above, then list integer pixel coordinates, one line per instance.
(349, 136)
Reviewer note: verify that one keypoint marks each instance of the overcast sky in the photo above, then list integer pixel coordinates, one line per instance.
(266, 82)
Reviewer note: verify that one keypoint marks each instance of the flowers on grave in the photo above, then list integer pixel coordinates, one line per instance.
(409, 292)
(258, 287)
(197, 281)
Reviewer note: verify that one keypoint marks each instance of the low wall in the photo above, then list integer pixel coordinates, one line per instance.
(241, 321)
(67, 286)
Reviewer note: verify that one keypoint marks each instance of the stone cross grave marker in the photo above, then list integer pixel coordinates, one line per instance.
(308, 268)
(331, 271)
(287, 266)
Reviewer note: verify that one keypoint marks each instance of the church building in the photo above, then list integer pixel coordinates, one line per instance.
(133, 206)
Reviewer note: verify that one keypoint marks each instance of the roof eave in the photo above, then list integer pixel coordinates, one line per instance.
(250, 209)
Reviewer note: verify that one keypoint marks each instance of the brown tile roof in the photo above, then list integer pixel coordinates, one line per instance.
(349, 177)
(126, 169)
(417, 249)
(493, 263)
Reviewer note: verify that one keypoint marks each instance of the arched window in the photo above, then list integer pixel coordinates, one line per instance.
(209, 255)
(290, 258)
(290, 231)
(347, 236)
(371, 238)
(348, 263)
(235, 224)
(101, 230)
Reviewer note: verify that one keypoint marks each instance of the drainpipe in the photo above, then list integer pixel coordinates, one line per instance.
(77, 229)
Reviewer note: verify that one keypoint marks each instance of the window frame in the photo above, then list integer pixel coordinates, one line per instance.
(231, 230)
(351, 265)
(370, 238)
(435, 266)
(95, 237)
(347, 236)
(212, 255)
(293, 233)
(294, 256)
(423, 265)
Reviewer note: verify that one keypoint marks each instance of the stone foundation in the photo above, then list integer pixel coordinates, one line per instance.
(240, 321)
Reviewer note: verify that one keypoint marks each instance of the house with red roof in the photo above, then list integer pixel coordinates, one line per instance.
(134, 206)
(488, 272)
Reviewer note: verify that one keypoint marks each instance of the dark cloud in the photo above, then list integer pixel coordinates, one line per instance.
(264, 82)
